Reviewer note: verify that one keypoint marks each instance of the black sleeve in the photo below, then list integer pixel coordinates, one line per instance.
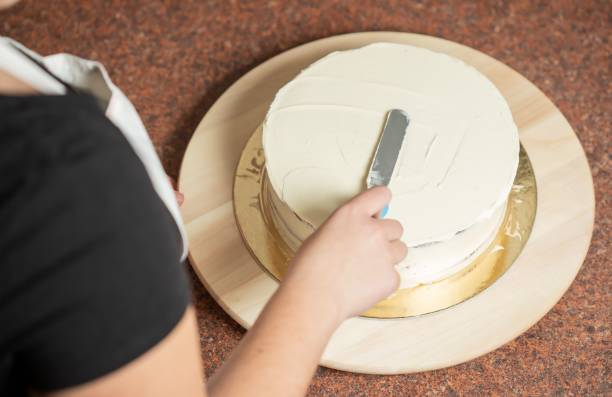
(89, 255)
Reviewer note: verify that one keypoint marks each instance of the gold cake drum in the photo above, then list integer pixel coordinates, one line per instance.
(252, 212)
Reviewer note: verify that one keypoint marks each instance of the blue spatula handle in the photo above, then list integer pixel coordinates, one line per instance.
(383, 212)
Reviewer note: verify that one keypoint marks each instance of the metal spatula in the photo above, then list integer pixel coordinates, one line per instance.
(387, 151)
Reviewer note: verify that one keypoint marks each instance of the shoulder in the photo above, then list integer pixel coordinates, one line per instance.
(88, 249)
(72, 176)
(63, 160)
(66, 144)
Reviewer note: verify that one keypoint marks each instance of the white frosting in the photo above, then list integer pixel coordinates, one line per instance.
(435, 261)
(457, 163)
(423, 264)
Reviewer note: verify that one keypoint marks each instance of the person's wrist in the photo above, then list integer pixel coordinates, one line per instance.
(313, 299)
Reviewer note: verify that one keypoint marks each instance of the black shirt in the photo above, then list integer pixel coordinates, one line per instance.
(89, 255)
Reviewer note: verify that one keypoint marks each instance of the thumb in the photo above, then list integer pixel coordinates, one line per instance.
(373, 200)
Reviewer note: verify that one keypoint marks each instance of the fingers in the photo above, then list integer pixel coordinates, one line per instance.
(392, 229)
(372, 201)
(180, 197)
(398, 251)
(395, 280)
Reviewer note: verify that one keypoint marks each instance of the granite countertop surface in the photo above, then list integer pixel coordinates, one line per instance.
(173, 59)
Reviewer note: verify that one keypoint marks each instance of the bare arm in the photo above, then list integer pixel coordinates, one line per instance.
(341, 271)
(280, 353)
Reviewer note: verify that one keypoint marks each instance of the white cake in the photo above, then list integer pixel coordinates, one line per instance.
(455, 170)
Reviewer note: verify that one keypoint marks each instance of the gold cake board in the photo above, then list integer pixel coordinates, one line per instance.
(529, 288)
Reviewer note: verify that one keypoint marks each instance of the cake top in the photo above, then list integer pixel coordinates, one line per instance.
(459, 156)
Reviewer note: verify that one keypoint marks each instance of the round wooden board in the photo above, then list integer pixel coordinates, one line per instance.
(524, 294)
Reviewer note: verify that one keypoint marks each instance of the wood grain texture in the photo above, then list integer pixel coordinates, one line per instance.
(537, 280)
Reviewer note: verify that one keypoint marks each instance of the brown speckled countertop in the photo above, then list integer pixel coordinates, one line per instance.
(174, 59)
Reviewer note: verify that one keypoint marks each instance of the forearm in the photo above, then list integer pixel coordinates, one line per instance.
(280, 353)
(341, 270)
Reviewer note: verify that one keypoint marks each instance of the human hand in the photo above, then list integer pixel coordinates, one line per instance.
(349, 261)
(180, 197)
(343, 269)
